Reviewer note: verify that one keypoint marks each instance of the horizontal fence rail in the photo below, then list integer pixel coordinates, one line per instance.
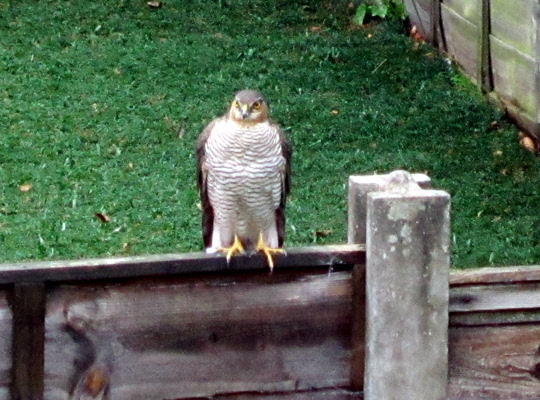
(171, 264)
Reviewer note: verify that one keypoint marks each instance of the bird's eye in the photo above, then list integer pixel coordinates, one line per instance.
(256, 105)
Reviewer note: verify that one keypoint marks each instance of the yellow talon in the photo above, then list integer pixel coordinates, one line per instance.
(235, 248)
(268, 251)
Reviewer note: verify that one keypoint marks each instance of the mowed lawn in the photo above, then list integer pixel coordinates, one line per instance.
(101, 104)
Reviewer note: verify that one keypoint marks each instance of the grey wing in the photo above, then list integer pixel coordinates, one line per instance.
(286, 151)
(207, 210)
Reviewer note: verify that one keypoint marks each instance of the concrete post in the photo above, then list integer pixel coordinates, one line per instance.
(359, 187)
(407, 264)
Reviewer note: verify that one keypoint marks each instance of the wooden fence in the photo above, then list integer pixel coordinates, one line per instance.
(496, 43)
(189, 326)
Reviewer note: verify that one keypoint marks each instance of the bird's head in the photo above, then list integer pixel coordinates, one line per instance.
(249, 106)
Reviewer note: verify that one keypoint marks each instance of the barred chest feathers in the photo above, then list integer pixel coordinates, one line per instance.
(243, 144)
(245, 169)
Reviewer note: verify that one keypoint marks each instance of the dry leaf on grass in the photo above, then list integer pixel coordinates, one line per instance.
(25, 188)
(527, 142)
(323, 233)
(103, 217)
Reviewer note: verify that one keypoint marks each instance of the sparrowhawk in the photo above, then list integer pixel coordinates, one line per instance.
(243, 175)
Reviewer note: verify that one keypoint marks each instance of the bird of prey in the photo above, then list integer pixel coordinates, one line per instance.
(243, 176)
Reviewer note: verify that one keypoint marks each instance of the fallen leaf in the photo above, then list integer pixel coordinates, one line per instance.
(494, 125)
(103, 217)
(323, 233)
(527, 142)
(25, 188)
(334, 111)
(154, 4)
(125, 246)
(417, 36)
(315, 28)
(498, 153)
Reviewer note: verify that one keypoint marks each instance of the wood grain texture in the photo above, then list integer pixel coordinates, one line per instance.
(501, 275)
(309, 395)
(173, 264)
(495, 298)
(5, 344)
(490, 363)
(250, 332)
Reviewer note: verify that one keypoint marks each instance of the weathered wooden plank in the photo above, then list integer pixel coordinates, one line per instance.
(471, 10)
(513, 76)
(28, 305)
(229, 333)
(512, 22)
(489, 275)
(462, 40)
(6, 326)
(310, 395)
(494, 298)
(171, 264)
(489, 363)
(490, 318)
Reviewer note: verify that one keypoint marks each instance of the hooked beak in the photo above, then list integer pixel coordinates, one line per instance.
(245, 111)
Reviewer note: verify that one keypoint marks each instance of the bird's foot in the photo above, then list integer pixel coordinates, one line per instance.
(236, 247)
(268, 251)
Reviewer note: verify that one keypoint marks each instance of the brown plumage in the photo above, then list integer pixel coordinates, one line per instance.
(243, 176)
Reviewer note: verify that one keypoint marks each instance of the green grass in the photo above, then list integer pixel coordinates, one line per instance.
(92, 95)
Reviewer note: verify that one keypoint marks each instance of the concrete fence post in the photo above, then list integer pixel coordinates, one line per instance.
(407, 263)
(359, 188)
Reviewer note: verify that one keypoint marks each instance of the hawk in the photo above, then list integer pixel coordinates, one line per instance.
(243, 177)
